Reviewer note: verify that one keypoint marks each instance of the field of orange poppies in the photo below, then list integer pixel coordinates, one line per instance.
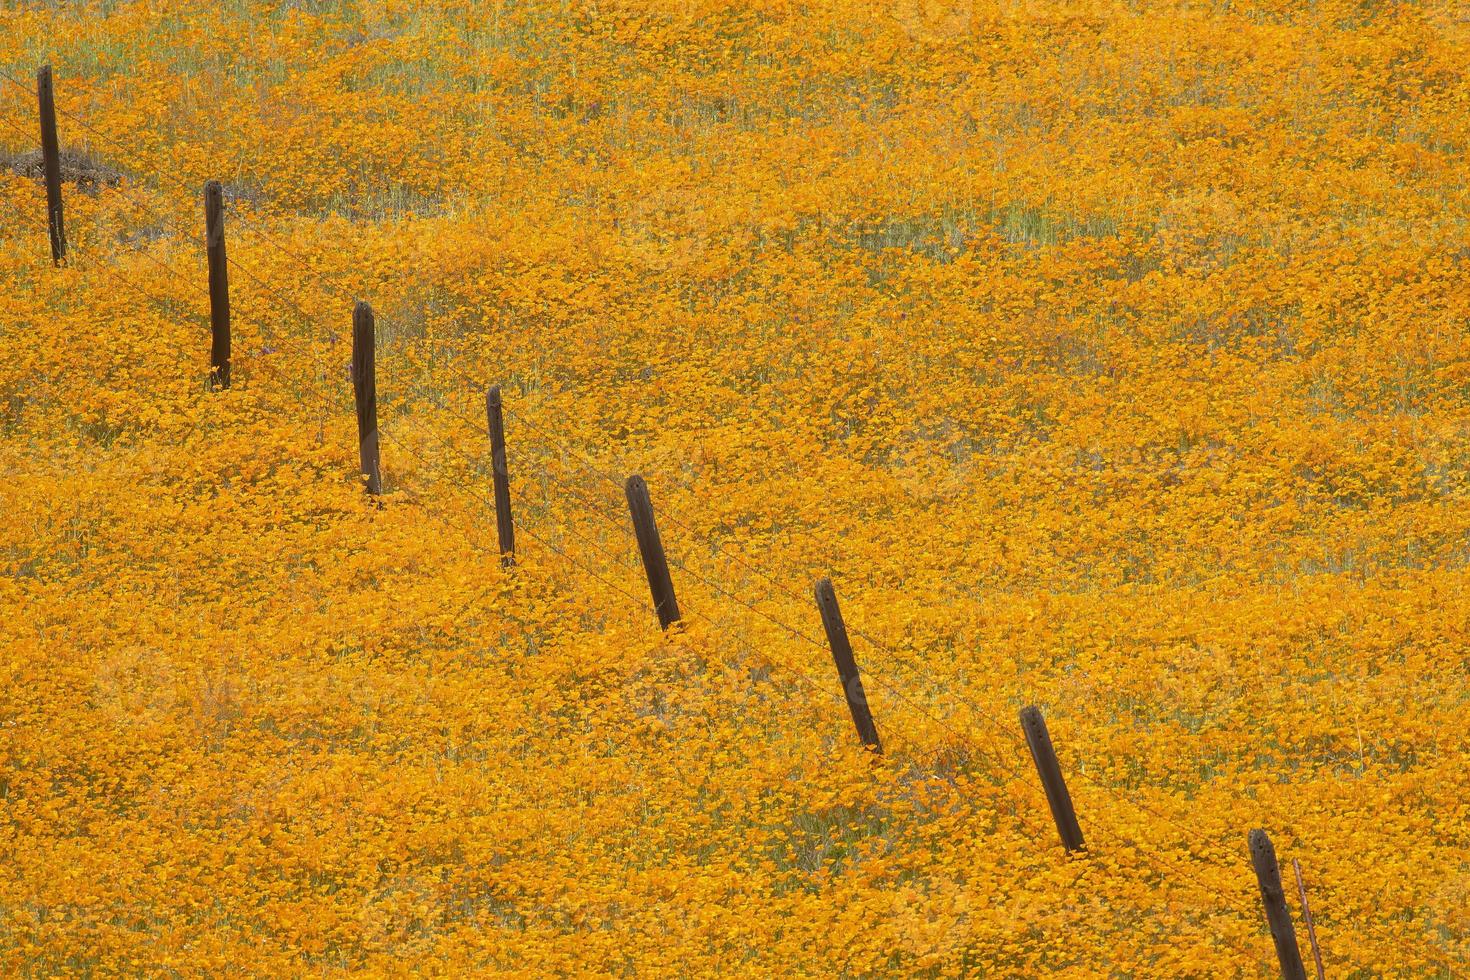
(1109, 357)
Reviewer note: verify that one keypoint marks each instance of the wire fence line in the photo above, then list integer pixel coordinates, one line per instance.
(589, 505)
(547, 437)
(819, 691)
(879, 648)
(304, 262)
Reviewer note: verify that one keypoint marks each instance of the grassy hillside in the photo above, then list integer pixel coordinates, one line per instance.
(1109, 357)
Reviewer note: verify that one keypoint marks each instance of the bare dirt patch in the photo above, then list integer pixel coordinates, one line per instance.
(86, 172)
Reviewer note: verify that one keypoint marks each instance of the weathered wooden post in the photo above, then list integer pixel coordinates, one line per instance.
(1268, 876)
(365, 392)
(51, 159)
(503, 522)
(847, 671)
(651, 547)
(219, 284)
(1057, 797)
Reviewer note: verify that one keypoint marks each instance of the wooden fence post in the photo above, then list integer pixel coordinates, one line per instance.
(365, 393)
(847, 671)
(651, 547)
(1301, 887)
(219, 284)
(1268, 876)
(51, 158)
(1057, 797)
(503, 522)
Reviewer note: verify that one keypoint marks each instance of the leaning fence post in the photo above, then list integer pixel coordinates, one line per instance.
(496, 424)
(365, 393)
(51, 158)
(1057, 797)
(651, 547)
(1301, 887)
(847, 671)
(219, 284)
(1268, 876)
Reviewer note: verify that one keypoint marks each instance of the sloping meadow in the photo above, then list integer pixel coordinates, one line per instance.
(1111, 359)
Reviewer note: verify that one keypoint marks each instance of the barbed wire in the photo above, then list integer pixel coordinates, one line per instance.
(821, 691)
(671, 514)
(553, 441)
(165, 307)
(675, 519)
